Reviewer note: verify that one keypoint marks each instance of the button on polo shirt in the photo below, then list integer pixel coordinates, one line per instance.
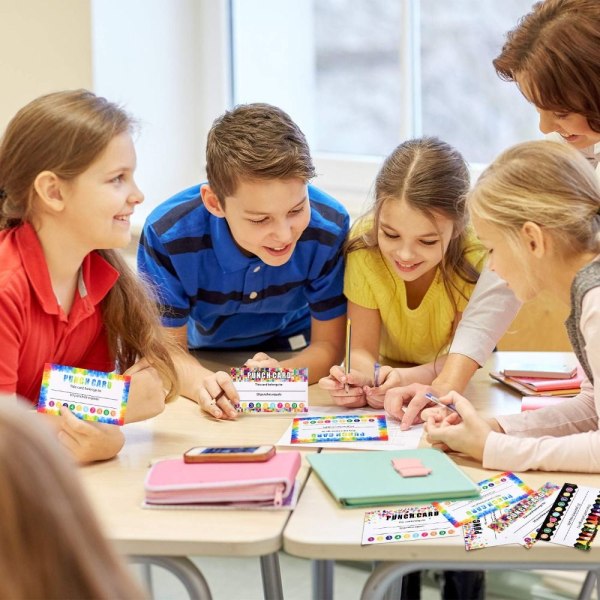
(33, 327)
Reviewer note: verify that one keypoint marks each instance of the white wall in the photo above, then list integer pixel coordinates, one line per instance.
(154, 56)
(45, 47)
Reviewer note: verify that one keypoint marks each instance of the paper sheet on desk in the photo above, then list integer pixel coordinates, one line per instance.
(397, 439)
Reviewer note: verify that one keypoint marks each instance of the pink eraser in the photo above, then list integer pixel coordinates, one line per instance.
(401, 463)
(414, 471)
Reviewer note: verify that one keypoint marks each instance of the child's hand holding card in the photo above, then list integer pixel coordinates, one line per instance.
(89, 395)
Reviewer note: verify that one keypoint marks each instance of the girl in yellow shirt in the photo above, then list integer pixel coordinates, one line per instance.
(411, 265)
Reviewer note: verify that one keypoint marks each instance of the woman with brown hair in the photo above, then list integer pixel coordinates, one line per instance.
(52, 546)
(66, 196)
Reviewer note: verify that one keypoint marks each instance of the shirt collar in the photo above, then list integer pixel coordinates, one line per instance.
(91, 289)
(229, 255)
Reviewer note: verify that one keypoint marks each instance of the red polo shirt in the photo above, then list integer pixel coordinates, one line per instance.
(33, 327)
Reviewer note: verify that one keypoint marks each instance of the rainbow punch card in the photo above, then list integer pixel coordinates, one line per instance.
(271, 390)
(89, 395)
(339, 428)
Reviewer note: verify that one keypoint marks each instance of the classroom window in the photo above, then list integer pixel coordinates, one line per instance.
(359, 77)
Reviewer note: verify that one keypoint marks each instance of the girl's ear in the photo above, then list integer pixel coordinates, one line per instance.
(48, 189)
(534, 239)
(211, 201)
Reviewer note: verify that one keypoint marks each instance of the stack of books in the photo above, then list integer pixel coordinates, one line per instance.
(543, 381)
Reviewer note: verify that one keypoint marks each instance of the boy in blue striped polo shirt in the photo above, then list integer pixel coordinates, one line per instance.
(251, 259)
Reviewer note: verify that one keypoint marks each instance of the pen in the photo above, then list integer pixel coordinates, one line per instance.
(376, 368)
(347, 359)
(436, 400)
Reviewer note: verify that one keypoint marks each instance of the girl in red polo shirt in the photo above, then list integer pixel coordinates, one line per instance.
(66, 297)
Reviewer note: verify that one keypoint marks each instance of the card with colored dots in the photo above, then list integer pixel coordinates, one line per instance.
(339, 428)
(406, 524)
(271, 390)
(574, 518)
(89, 395)
(496, 493)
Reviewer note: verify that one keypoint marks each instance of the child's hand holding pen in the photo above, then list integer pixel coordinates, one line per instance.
(338, 381)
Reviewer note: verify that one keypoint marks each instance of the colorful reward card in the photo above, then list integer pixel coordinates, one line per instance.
(406, 524)
(574, 518)
(339, 428)
(89, 395)
(498, 492)
(271, 390)
(517, 524)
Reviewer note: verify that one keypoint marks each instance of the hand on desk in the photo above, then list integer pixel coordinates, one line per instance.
(217, 395)
(463, 431)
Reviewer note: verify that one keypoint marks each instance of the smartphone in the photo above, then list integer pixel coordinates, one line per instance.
(200, 454)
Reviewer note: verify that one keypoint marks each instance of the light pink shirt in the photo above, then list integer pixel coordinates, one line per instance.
(564, 437)
(493, 306)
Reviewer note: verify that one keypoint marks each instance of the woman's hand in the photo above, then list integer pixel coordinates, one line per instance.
(406, 403)
(346, 390)
(89, 441)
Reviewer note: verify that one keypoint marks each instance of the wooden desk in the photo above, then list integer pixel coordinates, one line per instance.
(116, 490)
(323, 531)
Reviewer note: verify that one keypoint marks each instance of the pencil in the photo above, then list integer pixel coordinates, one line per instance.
(376, 368)
(436, 400)
(347, 359)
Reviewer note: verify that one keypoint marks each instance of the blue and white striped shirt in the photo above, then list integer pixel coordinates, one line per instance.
(230, 300)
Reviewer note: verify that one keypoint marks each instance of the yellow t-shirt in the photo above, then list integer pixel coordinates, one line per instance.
(407, 335)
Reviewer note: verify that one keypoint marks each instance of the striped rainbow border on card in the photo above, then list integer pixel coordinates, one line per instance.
(480, 507)
(325, 438)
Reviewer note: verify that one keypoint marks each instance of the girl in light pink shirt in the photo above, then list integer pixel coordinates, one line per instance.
(536, 209)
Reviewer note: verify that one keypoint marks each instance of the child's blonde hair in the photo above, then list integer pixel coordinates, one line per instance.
(64, 132)
(254, 142)
(52, 546)
(432, 177)
(547, 183)
(555, 50)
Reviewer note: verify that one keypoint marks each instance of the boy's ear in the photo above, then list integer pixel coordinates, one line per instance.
(211, 202)
(534, 239)
(48, 189)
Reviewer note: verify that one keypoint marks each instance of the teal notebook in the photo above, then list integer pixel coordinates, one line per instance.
(365, 478)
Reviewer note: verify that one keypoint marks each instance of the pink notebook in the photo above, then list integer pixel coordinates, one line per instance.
(171, 481)
(543, 385)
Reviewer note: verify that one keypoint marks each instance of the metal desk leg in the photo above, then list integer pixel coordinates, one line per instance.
(322, 578)
(184, 569)
(588, 586)
(271, 577)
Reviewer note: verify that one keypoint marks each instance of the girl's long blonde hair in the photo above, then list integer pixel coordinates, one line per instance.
(65, 132)
(52, 546)
(547, 183)
(432, 177)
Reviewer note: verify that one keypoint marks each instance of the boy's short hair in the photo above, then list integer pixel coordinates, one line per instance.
(253, 142)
